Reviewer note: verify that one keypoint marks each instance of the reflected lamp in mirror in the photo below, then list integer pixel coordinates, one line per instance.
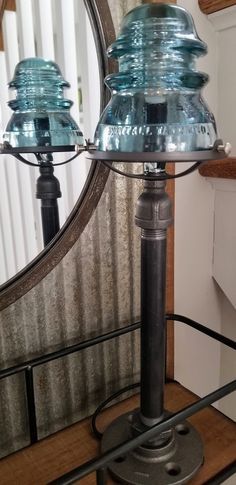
(83, 66)
(41, 113)
(41, 124)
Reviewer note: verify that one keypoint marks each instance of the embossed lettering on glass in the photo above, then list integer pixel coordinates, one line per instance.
(156, 102)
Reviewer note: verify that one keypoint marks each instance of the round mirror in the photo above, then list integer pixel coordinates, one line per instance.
(71, 33)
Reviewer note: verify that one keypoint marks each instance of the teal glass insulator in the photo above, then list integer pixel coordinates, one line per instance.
(41, 114)
(156, 103)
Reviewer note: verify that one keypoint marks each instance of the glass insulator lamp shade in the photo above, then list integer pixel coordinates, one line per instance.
(156, 103)
(41, 113)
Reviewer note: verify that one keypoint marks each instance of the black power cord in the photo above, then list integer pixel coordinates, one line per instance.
(101, 406)
(111, 398)
(159, 176)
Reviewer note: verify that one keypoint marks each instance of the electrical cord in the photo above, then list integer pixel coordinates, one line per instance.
(160, 176)
(101, 406)
(23, 160)
(111, 398)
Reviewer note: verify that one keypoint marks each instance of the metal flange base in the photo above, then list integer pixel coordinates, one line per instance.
(173, 464)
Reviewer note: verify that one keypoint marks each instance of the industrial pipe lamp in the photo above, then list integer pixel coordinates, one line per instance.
(156, 115)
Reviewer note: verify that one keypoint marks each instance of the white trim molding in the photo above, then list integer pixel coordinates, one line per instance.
(224, 19)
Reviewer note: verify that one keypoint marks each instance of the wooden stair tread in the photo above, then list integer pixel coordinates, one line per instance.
(67, 449)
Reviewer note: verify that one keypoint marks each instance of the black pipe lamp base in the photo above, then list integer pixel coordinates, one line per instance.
(173, 459)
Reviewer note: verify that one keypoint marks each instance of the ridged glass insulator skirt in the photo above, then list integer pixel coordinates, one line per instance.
(156, 103)
(41, 113)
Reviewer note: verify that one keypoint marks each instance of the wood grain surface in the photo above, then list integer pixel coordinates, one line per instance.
(60, 453)
(225, 169)
(211, 6)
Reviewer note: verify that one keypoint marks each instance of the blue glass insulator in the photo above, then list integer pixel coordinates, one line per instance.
(41, 113)
(156, 103)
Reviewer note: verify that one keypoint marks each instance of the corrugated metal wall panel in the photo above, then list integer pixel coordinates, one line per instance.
(94, 289)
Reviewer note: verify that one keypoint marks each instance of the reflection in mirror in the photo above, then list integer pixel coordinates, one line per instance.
(58, 30)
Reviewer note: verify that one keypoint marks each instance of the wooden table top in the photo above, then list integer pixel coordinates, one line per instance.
(67, 449)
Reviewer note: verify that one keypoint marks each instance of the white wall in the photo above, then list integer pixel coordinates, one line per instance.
(201, 364)
(225, 23)
(201, 213)
(197, 358)
(225, 204)
(228, 357)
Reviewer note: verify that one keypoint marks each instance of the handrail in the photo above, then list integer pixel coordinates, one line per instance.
(225, 169)
(28, 366)
(100, 464)
(44, 359)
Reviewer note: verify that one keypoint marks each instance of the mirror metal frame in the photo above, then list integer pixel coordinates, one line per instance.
(39, 267)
